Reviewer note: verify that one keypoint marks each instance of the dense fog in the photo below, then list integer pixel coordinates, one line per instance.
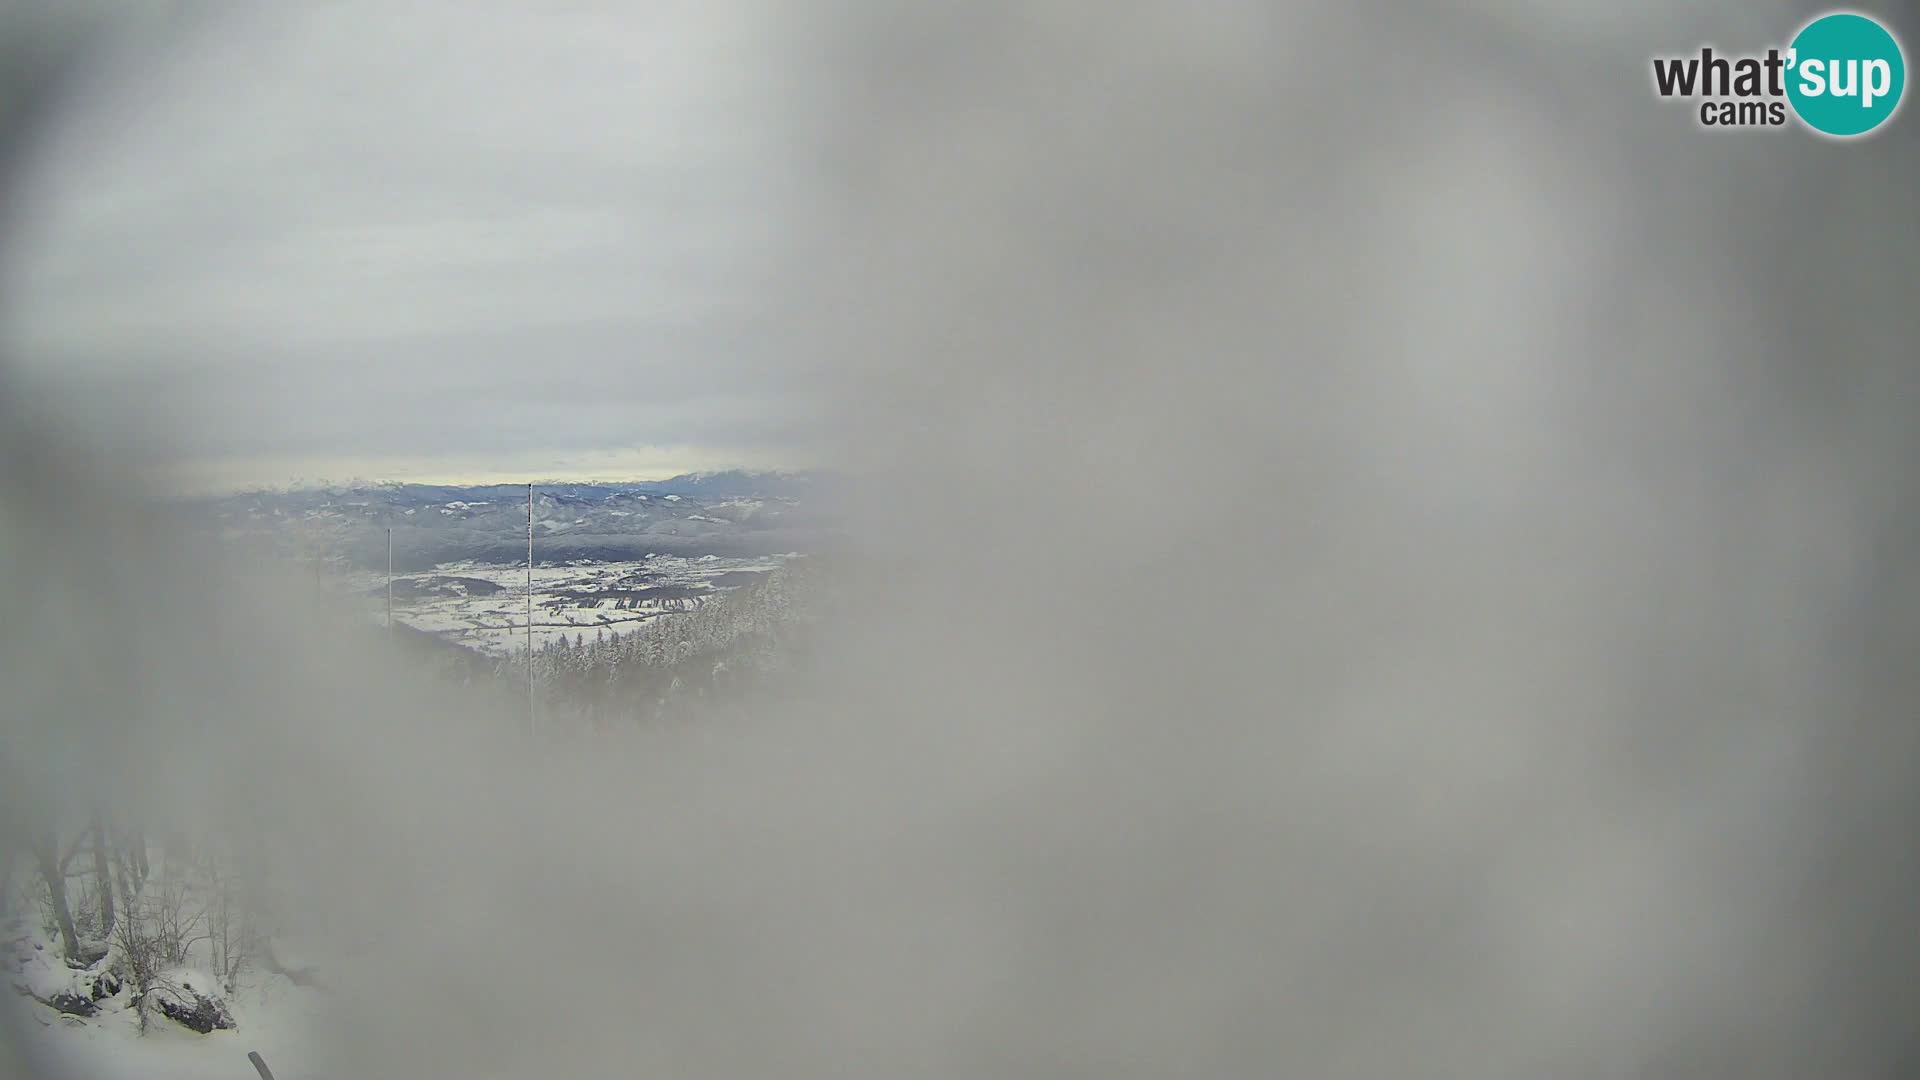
(1379, 550)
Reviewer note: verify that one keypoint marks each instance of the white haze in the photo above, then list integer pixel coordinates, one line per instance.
(1386, 553)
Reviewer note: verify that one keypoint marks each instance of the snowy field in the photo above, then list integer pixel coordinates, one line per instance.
(484, 606)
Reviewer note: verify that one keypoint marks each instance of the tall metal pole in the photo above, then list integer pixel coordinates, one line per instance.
(530, 709)
(389, 583)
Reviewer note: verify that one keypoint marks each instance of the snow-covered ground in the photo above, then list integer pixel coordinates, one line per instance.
(484, 605)
(273, 1016)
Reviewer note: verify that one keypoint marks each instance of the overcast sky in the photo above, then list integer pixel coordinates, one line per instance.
(345, 240)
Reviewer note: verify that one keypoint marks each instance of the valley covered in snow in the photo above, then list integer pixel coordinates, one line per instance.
(483, 606)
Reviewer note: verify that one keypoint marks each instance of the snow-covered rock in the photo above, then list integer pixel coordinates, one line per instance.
(192, 999)
(38, 972)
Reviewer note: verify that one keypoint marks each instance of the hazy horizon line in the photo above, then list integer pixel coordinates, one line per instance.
(500, 480)
(240, 476)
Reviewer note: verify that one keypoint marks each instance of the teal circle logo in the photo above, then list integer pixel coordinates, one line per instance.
(1845, 74)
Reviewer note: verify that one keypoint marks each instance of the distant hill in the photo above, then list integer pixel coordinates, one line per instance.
(732, 513)
(737, 483)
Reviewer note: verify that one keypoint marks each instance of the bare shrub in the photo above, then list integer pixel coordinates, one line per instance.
(176, 919)
(139, 958)
(232, 932)
(157, 932)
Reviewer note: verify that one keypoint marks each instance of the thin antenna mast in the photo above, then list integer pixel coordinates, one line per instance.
(389, 583)
(530, 710)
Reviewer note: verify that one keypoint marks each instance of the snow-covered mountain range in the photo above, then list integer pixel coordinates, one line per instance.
(730, 514)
